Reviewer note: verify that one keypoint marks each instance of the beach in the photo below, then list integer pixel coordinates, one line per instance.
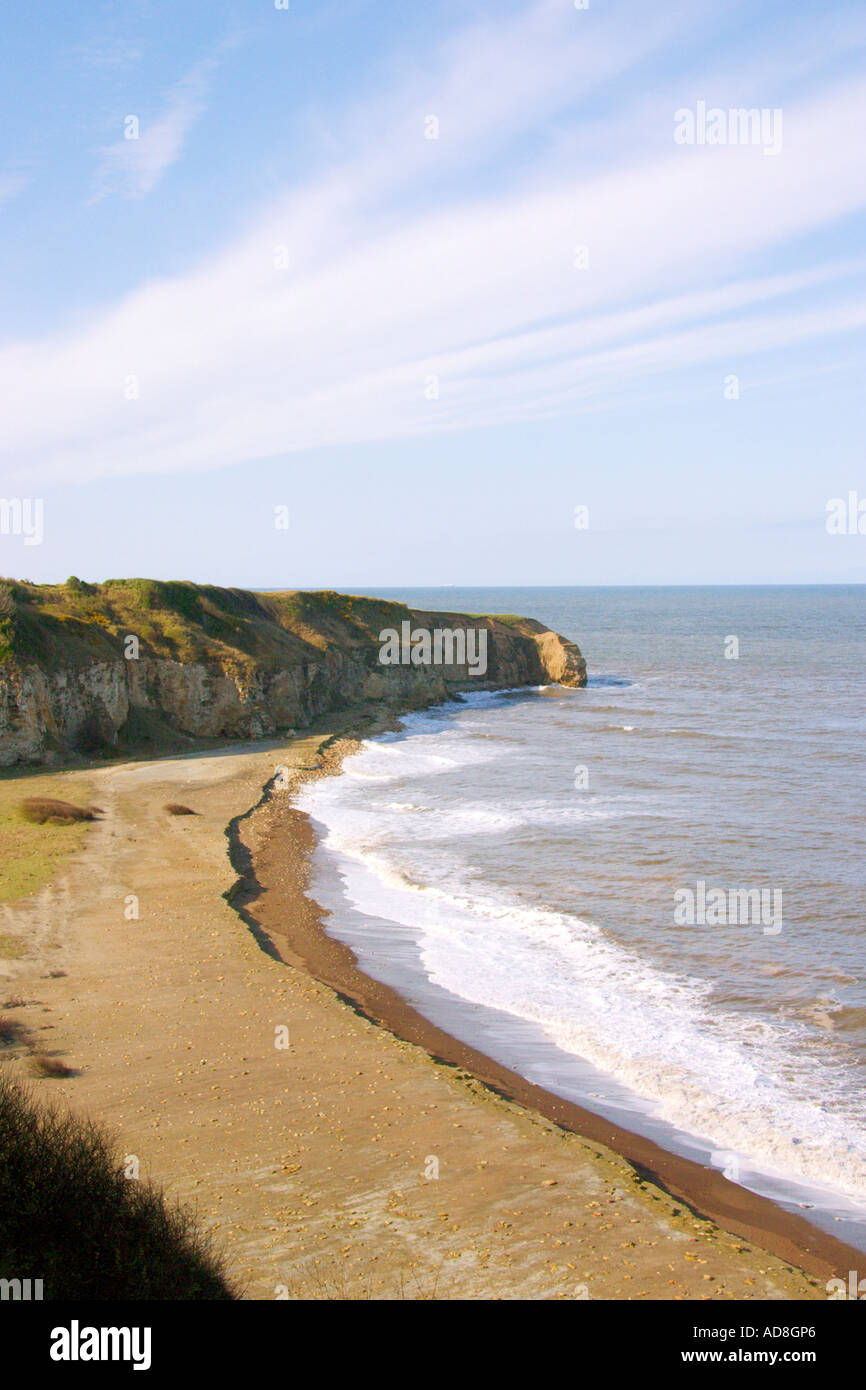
(334, 1142)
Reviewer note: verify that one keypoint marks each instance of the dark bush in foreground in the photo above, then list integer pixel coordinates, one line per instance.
(175, 808)
(42, 809)
(70, 1216)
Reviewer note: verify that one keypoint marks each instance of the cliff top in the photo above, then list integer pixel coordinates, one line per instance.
(76, 623)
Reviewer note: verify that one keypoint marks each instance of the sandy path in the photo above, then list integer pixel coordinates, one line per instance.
(312, 1161)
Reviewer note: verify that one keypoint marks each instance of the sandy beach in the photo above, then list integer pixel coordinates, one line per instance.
(336, 1143)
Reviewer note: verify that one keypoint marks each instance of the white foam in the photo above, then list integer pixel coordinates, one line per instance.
(743, 1084)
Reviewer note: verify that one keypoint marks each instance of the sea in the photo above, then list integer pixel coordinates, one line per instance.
(648, 895)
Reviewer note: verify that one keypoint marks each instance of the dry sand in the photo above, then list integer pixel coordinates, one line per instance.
(314, 1162)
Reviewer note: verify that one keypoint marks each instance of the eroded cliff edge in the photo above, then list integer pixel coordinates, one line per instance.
(135, 664)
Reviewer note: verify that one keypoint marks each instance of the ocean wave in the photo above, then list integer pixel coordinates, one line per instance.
(742, 1084)
(763, 1082)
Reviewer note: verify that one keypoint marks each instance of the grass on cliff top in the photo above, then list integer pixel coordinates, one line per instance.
(510, 619)
(78, 623)
(69, 1215)
(30, 854)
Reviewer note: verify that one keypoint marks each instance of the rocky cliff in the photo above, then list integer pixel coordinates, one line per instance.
(131, 664)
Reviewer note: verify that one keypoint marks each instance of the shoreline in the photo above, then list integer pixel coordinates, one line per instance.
(276, 901)
(309, 1158)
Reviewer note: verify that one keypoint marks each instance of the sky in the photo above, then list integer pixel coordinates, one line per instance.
(361, 293)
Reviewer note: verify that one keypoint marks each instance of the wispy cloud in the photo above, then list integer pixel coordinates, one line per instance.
(399, 267)
(134, 164)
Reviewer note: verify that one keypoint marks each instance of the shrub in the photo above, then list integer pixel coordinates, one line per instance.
(11, 1031)
(51, 1067)
(8, 613)
(71, 1217)
(175, 808)
(43, 809)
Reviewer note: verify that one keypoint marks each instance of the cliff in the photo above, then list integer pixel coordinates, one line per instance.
(134, 664)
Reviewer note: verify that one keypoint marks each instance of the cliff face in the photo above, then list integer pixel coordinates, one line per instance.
(89, 669)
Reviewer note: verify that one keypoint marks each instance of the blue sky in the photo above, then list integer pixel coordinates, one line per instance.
(283, 293)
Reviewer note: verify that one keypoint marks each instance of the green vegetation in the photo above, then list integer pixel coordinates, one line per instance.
(30, 853)
(7, 618)
(75, 623)
(71, 1216)
(510, 619)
